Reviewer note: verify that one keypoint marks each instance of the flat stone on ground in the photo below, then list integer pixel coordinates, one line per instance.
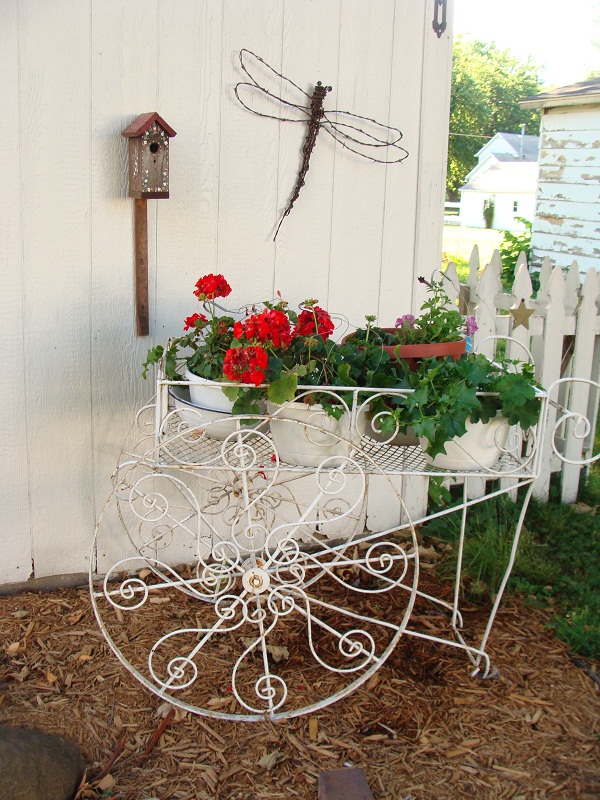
(38, 766)
(344, 784)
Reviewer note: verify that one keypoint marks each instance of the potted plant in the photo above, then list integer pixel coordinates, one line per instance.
(197, 357)
(438, 331)
(240, 366)
(453, 399)
(302, 366)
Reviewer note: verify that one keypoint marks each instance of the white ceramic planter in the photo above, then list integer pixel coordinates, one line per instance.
(219, 424)
(207, 394)
(479, 448)
(301, 444)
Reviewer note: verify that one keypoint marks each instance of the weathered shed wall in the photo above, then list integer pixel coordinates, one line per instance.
(567, 222)
(74, 75)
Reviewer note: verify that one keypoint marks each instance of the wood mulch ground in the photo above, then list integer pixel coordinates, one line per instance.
(421, 728)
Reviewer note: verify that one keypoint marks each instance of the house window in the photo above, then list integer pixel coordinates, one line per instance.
(515, 206)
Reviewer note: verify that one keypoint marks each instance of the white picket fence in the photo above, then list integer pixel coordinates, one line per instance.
(562, 336)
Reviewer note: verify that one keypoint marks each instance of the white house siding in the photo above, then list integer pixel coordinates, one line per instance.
(471, 209)
(74, 75)
(567, 224)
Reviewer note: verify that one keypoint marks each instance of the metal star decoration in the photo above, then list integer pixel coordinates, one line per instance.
(521, 315)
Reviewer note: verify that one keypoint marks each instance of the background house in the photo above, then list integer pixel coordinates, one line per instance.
(505, 176)
(567, 214)
(75, 74)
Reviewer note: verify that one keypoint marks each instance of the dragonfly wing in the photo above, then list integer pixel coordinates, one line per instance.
(270, 93)
(365, 136)
(262, 102)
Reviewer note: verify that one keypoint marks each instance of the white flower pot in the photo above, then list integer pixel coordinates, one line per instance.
(207, 394)
(479, 448)
(219, 424)
(302, 444)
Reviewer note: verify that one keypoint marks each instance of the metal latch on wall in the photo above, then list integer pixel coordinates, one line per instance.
(439, 16)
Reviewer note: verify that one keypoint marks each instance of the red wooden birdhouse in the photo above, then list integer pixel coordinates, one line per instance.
(149, 137)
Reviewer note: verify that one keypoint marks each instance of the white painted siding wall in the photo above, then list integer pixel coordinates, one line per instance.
(567, 222)
(471, 209)
(74, 75)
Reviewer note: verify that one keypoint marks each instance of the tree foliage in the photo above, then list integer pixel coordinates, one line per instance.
(487, 84)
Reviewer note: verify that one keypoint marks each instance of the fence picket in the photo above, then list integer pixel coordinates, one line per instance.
(452, 283)
(517, 346)
(485, 310)
(581, 368)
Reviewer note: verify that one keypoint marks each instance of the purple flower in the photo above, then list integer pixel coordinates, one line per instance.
(407, 321)
(470, 326)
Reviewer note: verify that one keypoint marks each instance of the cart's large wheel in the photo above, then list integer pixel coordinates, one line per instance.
(242, 590)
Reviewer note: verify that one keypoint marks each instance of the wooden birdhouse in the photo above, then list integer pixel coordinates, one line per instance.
(148, 156)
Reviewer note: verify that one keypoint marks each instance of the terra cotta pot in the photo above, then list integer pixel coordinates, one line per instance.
(413, 353)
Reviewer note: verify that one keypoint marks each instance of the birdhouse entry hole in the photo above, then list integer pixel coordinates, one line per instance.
(154, 147)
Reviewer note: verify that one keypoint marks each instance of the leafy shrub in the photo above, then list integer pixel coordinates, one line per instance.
(556, 565)
(488, 214)
(511, 246)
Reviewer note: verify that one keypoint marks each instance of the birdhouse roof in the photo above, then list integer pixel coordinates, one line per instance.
(141, 124)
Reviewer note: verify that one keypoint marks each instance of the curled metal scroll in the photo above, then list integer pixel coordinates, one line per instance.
(581, 426)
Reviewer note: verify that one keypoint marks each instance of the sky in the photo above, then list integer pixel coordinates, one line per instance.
(557, 34)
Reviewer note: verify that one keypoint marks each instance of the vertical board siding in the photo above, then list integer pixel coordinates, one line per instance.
(76, 74)
(124, 84)
(15, 530)
(359, 184)
(303, 246)
(399, 266)
(55, 181)
(433, 151)
(249, 152)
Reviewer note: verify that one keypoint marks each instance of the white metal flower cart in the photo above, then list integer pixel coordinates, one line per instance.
(269, 594)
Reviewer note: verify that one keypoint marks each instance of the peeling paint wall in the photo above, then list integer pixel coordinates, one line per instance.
(567, 220)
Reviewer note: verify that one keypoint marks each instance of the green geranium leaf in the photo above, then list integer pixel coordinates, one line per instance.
(170, 365)
(475, 370)
(344, 375)
(466, 399)
(153, 357)
(283, 389)
(246, 404)
(231, 393)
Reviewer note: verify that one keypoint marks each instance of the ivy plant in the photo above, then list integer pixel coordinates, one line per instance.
(446, 394)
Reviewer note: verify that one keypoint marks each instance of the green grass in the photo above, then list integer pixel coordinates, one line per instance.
(458, 243)
(571, 539)
(557, 564)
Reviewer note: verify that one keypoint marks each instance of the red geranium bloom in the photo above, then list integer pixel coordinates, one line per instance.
(270, 325)
(211, 286)
(306, 323)
(238, 330)
(246, 364)
(190, 322)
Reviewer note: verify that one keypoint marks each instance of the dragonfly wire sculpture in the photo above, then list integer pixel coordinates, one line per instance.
(287, 102)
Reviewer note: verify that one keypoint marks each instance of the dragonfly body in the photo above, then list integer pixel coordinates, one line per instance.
(314, 124)
(289, 103)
